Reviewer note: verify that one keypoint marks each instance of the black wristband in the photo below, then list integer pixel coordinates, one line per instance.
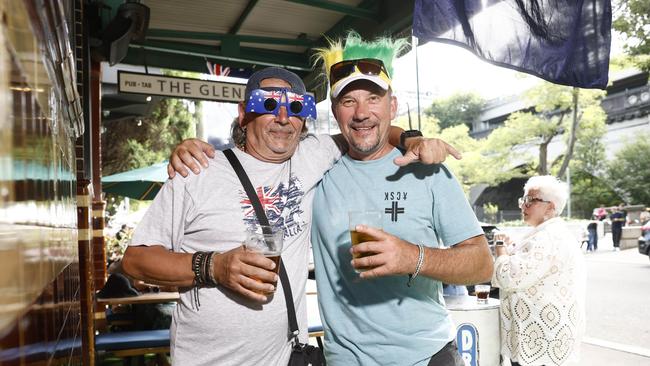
(407, 134)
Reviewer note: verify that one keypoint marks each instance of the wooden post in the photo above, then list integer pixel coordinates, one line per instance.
(98, 204)
(86, 288)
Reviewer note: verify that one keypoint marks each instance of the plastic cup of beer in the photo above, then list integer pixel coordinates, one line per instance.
(482, 293)
(371, 218)
(267, 241)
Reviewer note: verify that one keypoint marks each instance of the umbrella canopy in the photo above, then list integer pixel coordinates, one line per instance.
(141, 184)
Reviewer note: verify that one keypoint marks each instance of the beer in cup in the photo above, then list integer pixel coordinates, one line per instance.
(482, 293)
(371, 218)
(268, 242)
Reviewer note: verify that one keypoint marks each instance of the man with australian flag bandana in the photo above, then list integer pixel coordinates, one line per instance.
(234, 319)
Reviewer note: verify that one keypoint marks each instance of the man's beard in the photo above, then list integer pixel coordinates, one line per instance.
(366, 148)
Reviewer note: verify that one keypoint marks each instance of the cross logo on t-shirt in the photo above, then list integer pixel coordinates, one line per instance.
(394, 210)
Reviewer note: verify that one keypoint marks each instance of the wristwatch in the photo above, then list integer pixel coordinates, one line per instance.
(407, 134)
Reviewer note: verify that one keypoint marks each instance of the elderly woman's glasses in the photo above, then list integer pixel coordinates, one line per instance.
(527, 201)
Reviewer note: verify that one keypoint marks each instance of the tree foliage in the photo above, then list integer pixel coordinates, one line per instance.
(471, 169)
(429, 124)
(622, 62)
(589, 154)
(629, 172)
(519, 148)
(632, 19)
(131, 144)
(523, 132)
(589, 191)
(460, 108)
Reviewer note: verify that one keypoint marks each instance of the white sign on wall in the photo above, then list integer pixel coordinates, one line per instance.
(169, 86)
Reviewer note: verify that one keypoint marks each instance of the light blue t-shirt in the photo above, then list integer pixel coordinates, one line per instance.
(382, 321)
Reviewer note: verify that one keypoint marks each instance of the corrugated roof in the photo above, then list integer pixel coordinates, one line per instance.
(184, 34)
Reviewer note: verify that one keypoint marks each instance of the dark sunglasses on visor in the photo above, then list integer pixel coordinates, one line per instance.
(269, 101)
(367, 66)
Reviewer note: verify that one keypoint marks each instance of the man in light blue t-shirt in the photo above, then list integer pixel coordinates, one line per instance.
(393, 313)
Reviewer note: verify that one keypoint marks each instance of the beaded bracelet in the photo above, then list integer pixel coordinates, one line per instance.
(418, 266)
(212, 280)
(197, 258)
(203, 268)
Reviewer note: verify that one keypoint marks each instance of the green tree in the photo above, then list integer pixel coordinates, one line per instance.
(629, 171)
(460, 108)
(632, 19)
(471, 169)
(589, 191)
(589, 154)
(429, 124)
(554, 115)
(133, 144)
(622, 62)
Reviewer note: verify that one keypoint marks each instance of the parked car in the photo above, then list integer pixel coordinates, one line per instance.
(644, 240)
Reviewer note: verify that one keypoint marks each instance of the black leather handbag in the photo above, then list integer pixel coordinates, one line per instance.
(302, 354)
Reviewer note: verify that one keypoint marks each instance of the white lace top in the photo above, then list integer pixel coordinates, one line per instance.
(542, 287)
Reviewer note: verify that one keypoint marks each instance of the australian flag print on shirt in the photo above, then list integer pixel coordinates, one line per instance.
(281, 204)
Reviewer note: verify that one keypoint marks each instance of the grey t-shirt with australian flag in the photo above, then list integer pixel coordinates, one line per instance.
(211, 212)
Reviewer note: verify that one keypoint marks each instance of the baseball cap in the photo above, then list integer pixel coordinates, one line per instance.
(297, 86)
(345, 72)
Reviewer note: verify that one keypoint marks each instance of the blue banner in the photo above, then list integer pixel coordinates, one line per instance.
(564, 42)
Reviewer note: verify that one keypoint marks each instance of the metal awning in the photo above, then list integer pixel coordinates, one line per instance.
(183, 35)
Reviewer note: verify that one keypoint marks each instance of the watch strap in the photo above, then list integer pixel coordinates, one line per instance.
(406, 134)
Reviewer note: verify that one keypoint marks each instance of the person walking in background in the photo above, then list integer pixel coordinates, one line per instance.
(618, 221)
(592, 241)
(600, 213)
(542, 281)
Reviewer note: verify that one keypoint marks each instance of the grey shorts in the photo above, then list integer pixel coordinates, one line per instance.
(447, 356)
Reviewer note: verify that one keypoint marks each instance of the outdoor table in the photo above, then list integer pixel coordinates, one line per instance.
(146, 298)
(477, 329)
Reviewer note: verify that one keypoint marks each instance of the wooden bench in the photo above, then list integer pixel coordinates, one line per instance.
(133, 343)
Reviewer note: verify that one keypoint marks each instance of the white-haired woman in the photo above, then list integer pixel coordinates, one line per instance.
(542, 282)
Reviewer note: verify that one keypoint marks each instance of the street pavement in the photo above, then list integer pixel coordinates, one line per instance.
(618, 298)
(617, 306)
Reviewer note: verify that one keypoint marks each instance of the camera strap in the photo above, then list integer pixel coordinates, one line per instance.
(263, 220)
